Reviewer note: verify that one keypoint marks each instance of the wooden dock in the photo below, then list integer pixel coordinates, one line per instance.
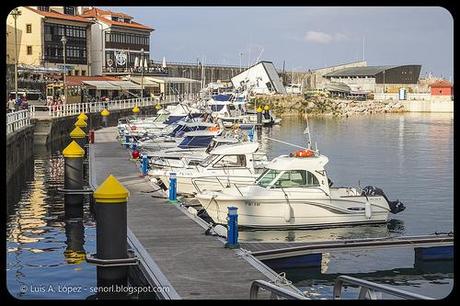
(173, 248)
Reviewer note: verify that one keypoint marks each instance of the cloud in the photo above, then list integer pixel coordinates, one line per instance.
(324, 38)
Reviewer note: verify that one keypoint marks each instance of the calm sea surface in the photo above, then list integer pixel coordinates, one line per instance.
(47, 243)
(409, 156)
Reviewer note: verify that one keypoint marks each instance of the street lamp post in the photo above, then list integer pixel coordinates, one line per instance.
(15, 13)
(241, 59)
(64, 41)
(142, 73)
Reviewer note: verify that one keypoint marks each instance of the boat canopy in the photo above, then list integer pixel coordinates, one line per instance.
(233, 149)
(285, 162)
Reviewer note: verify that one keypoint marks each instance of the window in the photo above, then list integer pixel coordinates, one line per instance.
(267, 177)
(231, 161)
(28, 28)
(69, 10)
(83, 72)
(296, 178)
(43, 8)
(77, 72)
(29, 50)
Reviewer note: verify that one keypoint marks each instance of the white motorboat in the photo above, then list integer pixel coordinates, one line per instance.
(175, 136)
(191, 156)
(294, 191)
(225, 165)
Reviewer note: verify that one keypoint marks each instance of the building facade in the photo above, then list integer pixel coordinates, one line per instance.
(378, 78)
(39, 32)
(119, 45)
(441, 88)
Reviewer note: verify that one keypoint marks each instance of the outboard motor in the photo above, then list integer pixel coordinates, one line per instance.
(395, 206)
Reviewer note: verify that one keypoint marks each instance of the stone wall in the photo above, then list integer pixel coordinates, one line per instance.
(19, 149)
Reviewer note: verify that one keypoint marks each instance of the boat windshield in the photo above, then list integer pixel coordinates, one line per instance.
(195, 142)
(217, 107)
(161, 118)
(208, 160)
(296, 178)
(267, 177)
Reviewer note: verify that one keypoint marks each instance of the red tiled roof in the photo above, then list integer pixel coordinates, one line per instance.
(99, 14)
(132, 24)
(56, 15)
(77, 80)
(441, 83)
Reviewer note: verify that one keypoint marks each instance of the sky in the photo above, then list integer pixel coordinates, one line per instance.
(301, 37)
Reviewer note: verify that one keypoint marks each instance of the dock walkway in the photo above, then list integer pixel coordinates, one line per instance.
(196, 265)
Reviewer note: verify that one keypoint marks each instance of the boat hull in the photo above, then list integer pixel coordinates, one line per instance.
(276, 213)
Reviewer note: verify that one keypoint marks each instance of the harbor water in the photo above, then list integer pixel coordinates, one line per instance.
(409, 156)
(47, 242)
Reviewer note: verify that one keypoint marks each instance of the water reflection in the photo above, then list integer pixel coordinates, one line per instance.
(394, 227)
(46, 240)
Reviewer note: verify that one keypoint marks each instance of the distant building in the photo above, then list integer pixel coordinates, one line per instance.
(39, 33)
(120, 45)
(315, 79)
(377, 78)
(262, 77)
(441, 88)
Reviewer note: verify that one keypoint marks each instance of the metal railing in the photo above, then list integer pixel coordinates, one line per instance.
(369, 290)
(17, 120)
(94, 107)
(276, 291)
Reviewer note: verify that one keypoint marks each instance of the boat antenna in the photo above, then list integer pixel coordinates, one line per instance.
(307, 131)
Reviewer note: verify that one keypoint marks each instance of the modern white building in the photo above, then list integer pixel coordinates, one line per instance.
(262, 77)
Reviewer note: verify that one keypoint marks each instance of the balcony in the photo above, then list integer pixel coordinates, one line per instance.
(150, 71)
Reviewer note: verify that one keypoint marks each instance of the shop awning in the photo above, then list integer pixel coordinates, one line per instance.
(101, 85)
(112, 85)
(147, 81)
(125, 85)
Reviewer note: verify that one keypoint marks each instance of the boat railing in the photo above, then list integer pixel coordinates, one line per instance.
(213, 179)
(276, 291)
(369, 290)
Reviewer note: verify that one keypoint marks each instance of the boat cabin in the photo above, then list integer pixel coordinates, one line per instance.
(295, 172)
(232, 156)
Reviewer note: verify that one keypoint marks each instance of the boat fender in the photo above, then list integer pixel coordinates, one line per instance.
(368, 210)
(192, 211)
(220, 230)
(287, 213)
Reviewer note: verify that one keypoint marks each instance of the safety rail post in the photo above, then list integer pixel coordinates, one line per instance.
(274, 289)
(369, 288)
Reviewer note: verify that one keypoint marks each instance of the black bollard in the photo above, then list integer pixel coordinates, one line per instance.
(111, 230)
(79, 136)
(73, 172)
(259, 116)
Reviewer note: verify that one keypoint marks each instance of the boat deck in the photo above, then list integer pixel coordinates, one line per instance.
(173, 245)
